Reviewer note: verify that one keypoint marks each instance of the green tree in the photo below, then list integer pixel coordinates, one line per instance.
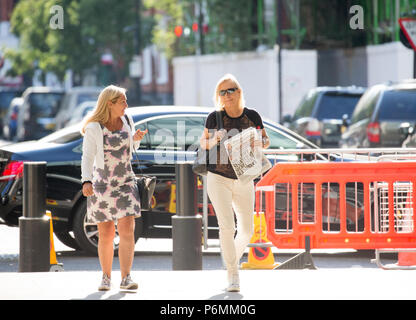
(232, 25)
(168, 14)
(91, 28)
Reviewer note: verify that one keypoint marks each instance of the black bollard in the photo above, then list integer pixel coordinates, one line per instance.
(186, 224)
(34, 254)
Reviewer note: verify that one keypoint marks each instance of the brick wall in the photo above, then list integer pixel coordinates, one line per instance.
(6, 8)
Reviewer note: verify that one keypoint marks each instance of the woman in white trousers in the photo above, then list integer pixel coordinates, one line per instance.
(227, 193)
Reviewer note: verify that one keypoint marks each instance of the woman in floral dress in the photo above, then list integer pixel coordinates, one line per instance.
(108, 181)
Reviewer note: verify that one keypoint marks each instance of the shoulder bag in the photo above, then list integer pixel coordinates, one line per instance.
(200, 165)
(145, 183)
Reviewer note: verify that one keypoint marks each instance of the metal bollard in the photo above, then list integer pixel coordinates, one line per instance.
(34, 225)
(186, 224)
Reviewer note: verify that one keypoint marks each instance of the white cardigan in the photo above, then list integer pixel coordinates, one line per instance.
(93, 149)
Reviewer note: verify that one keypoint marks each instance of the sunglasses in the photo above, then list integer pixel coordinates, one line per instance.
(229, 91)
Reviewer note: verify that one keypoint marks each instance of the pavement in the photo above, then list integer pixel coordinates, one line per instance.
(326, 284)
(348, 277)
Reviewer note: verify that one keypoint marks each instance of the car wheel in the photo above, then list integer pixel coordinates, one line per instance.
(86, 233)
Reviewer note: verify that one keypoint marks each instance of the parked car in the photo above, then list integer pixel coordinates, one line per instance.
(321, 113)
(80, 112)
(10, 120)
(6, 96)
(171, 132)
(38, 112)
(379, 114)
(72, 99)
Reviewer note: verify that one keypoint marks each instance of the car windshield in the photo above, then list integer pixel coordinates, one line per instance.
(45, 105)
(398, 105)
(92, 96)
(65, 135)
(335, 105)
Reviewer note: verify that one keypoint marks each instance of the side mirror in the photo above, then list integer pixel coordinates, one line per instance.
(345, 123)
(406, 129)
(345, 120)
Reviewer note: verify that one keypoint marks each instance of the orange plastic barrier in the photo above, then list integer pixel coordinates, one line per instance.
(307, 199)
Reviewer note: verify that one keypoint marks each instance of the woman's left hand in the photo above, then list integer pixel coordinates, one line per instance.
(256, 144)
(139, 135)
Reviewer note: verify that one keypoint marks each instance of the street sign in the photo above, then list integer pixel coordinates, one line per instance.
(403, 39)
(408, 25)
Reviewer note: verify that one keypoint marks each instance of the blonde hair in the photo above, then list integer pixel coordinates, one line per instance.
(101, 112)
(216, 97)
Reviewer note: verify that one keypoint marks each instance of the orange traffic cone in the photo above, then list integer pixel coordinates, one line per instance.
(55, 266)
(172, 200)
(260, 255)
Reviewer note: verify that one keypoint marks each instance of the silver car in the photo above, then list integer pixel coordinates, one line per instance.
(379, 115)
(322, 112)
(73, 98)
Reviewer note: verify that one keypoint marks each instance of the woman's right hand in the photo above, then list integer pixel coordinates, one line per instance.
(220, 134)
(209, 140)
(87, 189)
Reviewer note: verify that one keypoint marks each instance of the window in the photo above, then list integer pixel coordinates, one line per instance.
(6, 97)
(306, 106)
(398, 105)
(366, 105)
(334, 105)
(172, 133)
(281, 141)
(82, 97)
(44, 105)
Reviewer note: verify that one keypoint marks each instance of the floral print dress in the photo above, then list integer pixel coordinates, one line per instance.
(115, 192)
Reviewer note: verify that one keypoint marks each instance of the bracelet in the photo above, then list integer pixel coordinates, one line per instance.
(264, 140)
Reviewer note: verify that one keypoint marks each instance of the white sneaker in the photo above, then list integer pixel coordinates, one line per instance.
(233, 283)
(128, 284)
(105, 283)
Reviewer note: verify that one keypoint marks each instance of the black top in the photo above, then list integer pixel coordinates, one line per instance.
(249, 118)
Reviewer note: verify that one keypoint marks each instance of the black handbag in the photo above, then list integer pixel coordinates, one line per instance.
(200, 165)
(203, 156)
(145, 184)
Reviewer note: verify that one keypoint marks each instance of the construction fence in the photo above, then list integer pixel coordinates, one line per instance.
(337, 198)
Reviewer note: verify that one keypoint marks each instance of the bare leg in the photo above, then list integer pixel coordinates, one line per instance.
(125, 227)
(106, 232)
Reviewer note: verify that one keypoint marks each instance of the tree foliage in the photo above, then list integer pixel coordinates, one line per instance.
(91, 28)
(168, 14)
(231, 24)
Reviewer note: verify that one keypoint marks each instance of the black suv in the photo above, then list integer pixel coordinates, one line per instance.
(379, 115)
(321, 113)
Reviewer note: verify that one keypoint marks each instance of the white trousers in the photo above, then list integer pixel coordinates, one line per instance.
(225, 195)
